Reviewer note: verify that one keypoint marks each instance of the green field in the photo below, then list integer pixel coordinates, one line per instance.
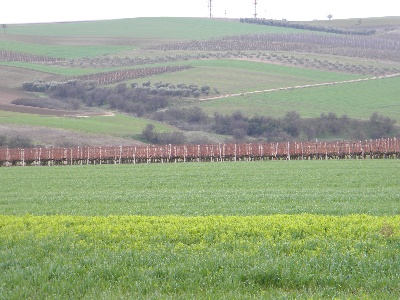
(233, 230)
(118, 125)
(280, 256)
(315, 229)
(155, 28)
(394, 20)
(62, 51)
(255, 188)
(357, 100)
(89, 47)
(56, 70)
(239, 76)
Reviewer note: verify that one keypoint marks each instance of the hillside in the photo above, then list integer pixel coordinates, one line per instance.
(178, 74)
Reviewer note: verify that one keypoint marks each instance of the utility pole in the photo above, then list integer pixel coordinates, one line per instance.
(255, 9)
(210, 6)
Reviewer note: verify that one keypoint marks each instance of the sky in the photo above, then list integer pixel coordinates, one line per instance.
(43, 11)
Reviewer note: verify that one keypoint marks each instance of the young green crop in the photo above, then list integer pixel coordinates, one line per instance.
(118, 125)
(61, 51)
(225, 188)
(147, 28)
(240, 76)
(356, 100)
(246, 242)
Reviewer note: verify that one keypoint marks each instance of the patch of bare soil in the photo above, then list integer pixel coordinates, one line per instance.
(62, 138)
(7, 95)
(13, 77)
(36, 110)
(53, 112)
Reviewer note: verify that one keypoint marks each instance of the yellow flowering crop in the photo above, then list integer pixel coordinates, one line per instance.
(166, 256)
(145, 232)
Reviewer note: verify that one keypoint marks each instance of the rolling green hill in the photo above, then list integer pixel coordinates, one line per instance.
(352, 99)
(57, 51)
(153, 28)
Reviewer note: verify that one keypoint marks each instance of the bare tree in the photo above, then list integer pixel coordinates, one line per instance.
(329, 17)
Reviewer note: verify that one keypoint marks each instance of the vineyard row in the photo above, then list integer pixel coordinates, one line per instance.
(379, 148)
(24, 57)
(110, 77)
(376, 49)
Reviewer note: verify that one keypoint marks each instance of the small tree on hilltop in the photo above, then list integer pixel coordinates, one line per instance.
(329, 17)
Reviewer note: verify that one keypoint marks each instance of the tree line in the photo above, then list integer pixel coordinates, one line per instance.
(153, 101)
(137, 99)
(290, 127)
(15, 141)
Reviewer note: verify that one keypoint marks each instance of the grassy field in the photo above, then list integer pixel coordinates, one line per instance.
(56, 70)
(356, 100)
(71, 71)
(277, 229)
(118, 125)
(395, 20)
(143, 28)
(247, 72)
(228, 75)
(61, 51)
(227, 230)
(255, 188)
(279, 256)
(238, 76)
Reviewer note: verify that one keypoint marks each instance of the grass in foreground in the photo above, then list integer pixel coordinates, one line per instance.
(302, 256)
(314, 240)
(231, 188)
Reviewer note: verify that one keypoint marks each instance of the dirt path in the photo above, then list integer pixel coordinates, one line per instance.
(301, 87)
